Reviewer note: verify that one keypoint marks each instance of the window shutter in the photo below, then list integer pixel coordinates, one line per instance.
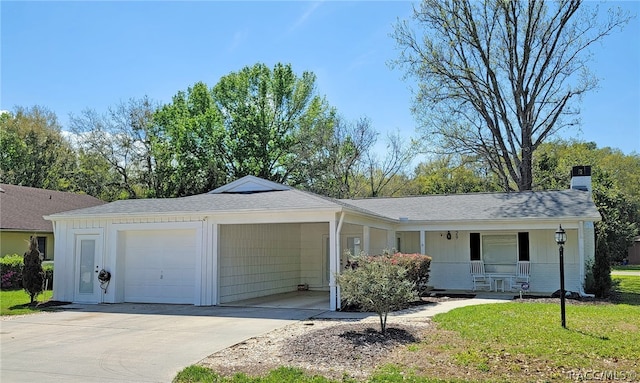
(474, 246)
(523, 246)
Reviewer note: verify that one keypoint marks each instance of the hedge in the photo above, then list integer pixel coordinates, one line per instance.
(11, 272)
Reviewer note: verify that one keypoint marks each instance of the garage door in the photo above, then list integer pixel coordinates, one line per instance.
(160, 266)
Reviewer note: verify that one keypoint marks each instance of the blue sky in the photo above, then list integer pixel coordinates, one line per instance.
(69, 56)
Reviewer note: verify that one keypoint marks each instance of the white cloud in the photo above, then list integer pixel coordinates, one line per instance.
(303, 18)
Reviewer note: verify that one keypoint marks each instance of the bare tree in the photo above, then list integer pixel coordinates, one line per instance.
(497, 78)
(381, 171)
(122, 138)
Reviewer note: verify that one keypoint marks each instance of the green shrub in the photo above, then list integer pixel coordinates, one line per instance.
(11, 272)
(417, 266)
(377, 284)
(48, 275)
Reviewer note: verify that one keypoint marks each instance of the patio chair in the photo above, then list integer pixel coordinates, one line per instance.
(478, 276)
(522, 274)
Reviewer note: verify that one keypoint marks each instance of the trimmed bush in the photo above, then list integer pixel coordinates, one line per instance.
(376, 284)
(32, 272)
(417, 266)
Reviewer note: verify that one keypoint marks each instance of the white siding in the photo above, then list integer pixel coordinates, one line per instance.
(378, 241)
(409, 242)
(314, 267)
(450, 260)
(450, 264)
(258, 260)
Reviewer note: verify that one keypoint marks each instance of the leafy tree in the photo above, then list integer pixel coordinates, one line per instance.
(615, 177)
(95, 176)
(377, 285)
(33, 151)
(266, 114)
(32, 273)
(336, 158)
(497, 78)
(448, 174)
(188, 144)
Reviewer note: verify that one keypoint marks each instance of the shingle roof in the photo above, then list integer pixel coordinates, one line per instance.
(253, 194)
(485, 206)
(22, 208)
(205, 203)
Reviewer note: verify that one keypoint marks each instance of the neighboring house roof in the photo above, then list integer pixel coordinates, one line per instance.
(22, 208)
(255, 194)
(486, 206)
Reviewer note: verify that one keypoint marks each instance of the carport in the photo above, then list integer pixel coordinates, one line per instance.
(257, 260)
(251, 238)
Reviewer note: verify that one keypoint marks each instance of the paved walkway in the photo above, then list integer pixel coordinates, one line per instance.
(423, 311)
(626, 272)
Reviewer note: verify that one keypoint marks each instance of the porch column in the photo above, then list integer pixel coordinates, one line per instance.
(581, 258)
(422, 242)
(366, 240)
(214, 250)
(391, 239)
(334, 262)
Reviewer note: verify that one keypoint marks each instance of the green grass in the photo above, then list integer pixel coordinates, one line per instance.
(280, 375)
(16, 302)
(507, 342)
(594, 334)
(627, 288)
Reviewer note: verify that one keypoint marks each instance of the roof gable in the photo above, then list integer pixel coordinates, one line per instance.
(249, 184)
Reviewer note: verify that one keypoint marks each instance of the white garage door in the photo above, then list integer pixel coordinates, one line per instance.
(160, 266)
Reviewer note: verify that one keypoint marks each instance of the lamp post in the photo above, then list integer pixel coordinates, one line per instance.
(561, 238)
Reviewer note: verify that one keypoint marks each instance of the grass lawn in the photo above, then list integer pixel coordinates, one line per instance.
(510, 342)
(16, 302)
(627, 288)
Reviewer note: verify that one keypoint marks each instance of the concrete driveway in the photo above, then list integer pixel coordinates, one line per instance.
(126, 342)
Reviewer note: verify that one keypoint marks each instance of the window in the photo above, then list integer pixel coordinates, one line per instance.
(499, 249)
(353, 245)
(474, 246)
(42, 246)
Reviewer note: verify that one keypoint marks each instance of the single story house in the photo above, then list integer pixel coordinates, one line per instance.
(253, 238)
(21, 216)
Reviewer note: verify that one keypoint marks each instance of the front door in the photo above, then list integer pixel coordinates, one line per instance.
(88, 265)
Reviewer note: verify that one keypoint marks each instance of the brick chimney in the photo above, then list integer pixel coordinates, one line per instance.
(581, 178)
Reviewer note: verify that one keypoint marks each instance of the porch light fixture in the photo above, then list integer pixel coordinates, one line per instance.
(561, 238)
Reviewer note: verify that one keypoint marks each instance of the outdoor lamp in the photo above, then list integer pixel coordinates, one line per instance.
(561, 238)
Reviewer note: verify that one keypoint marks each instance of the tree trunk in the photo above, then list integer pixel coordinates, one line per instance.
(526, 165)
